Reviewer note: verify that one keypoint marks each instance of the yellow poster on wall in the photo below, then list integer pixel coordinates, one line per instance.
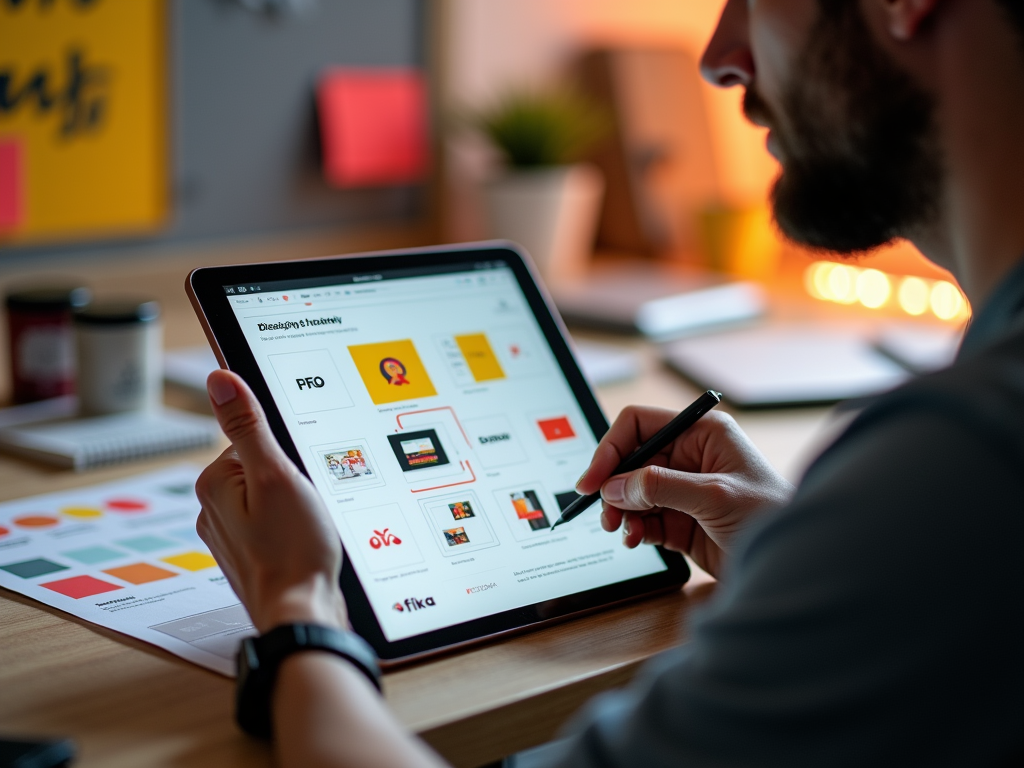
(82, 118)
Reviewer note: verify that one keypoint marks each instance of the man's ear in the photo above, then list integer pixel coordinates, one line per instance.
(905, 17)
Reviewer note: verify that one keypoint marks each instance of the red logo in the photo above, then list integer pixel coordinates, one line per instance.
(384, 538)
(399, 607)
(556, 429)
(393, 371)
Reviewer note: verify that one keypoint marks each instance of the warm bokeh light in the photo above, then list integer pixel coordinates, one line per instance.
(946, 301)
(873, 288)
(842, 284)
(913, 296)
(847, 284)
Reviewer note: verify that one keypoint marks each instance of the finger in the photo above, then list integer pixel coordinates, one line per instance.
(242, 419)
(632, 530)
(656, 486)
(633, 426)
(611, 518)
(654, 529)
(221, 485)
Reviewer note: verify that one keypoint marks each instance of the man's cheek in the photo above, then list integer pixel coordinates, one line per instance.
(779, 31)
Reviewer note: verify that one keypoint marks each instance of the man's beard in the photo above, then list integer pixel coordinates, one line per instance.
(861, 165)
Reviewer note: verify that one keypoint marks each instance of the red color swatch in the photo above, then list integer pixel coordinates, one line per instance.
(4, 531)
(12, 183)
(80, 586)
(373, 126)
(127, 505)
(556, 429)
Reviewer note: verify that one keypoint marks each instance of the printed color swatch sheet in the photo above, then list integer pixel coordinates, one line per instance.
(439, 428)
(126, 556)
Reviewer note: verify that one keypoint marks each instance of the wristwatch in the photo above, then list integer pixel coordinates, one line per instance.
(259, 658)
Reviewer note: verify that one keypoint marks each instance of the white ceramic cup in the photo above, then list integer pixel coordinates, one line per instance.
(118, 346)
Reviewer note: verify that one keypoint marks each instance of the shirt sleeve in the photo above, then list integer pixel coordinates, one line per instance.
(875, 619)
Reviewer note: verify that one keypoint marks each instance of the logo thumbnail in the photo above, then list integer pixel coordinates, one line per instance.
(347, 464)
(392, 371)
(418, 450)
(310, 380)
(414, 604)
(528, 507)
(565, 498)
(456, 536)
(384, 538)
(461, 510)
(556, 429)
(459, 523)
(494, 441)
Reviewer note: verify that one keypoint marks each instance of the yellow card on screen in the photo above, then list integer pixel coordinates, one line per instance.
(392, 371)
(480, 357)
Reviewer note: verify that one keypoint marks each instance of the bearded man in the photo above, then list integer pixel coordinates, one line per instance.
(874, 614)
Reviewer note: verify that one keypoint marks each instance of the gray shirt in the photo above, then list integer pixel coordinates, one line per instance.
(878, 618)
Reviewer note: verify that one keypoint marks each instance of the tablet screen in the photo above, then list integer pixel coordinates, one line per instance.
(437, 424)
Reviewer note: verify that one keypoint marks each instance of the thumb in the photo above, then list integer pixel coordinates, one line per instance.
(654, 486)
(242, 420)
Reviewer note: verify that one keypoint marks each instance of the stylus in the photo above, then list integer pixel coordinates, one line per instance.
(648, 450)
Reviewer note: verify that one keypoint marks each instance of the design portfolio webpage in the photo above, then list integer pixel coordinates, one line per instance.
(437, 425)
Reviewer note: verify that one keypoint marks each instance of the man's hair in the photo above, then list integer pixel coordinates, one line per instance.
(1015, 9)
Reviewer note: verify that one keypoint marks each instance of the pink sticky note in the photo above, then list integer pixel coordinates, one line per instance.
(11, 183)
(373, 125)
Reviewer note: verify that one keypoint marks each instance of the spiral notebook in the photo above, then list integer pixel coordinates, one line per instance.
(92, 442)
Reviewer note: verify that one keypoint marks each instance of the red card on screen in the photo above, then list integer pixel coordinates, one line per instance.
(556, 429)
(373, 126)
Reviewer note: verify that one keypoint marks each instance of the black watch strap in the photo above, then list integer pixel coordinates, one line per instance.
(259, 659)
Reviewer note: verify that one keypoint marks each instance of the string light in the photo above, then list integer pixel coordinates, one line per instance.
(946, 301)
(874, 289)
(913, 296)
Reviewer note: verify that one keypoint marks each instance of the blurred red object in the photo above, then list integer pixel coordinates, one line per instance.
(11, 184)
(373, 126)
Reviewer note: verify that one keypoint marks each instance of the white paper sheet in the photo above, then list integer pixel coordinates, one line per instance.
(785, 365)
(125, 555)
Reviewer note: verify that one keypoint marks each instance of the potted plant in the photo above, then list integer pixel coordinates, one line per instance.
(545, 199)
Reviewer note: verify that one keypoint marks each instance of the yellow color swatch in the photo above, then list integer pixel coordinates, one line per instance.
(392, 371)
(191, 561)
(480, 358)
(82, 512)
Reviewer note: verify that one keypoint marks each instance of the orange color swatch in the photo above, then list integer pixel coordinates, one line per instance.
(140, 573)
(36, 521)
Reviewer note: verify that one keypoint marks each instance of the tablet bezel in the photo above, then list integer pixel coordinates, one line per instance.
(205, 287)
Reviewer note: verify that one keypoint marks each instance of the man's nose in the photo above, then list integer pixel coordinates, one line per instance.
(727, 61)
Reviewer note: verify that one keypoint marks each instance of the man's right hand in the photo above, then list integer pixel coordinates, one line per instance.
(695, 496)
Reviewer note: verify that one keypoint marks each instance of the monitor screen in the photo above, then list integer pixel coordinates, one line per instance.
(437, 424)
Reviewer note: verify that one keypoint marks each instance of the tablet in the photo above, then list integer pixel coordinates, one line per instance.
(433, 400)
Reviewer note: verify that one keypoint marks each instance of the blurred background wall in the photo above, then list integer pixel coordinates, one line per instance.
(229, 115)
(497, 44)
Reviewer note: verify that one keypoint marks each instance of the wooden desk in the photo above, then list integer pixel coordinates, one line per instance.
(129, 704)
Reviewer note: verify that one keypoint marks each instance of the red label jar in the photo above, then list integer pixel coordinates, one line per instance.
(41, 340)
